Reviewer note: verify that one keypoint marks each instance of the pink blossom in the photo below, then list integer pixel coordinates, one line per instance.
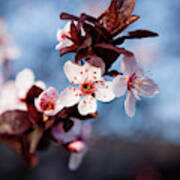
(48, 102)
(77, 138)
(91, 87)
(133, 81)
(24, 81)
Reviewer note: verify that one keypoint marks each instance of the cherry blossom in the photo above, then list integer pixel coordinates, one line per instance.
(77, 138)
(91, 87)
(62, 37)
(24, 81)
(133, 81)
(9, 98)
(48, 102)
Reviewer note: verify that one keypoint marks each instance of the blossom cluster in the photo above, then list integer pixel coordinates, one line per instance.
(33, 115)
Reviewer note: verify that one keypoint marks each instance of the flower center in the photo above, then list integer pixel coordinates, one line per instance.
(131, 81)
(87, 88)
(48, 106)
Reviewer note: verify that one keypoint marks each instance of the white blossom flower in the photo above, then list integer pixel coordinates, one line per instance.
(48, 102)
(77, 138)
(62, 37)
(133, 81)
(24, 81)
(9, 98)
(91, 87)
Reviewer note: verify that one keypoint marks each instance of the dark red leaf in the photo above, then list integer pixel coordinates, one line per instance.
(66, 16)
(115, 17)
(131, 19)
(109, 56)
(33, 93)
(70, 112)
(69, 49)
(141, 34)
(76, 35)
(14, 122)
(99, 28)
(114, 48)
(34, 115)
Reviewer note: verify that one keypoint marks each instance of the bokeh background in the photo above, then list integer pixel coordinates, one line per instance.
(146, 147)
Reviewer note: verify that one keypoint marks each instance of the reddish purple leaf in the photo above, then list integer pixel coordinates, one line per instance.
(141, 34)
(67, 16)
(115, 17)
(69, 49)
(75, 35)
(14, 122)
(114, 48)
(33, 93)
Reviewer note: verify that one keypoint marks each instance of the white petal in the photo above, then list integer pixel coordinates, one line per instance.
(87, 105)
(24, 81)
(75, 160)
(65, 43)
(97, 62)
(119, 85)
(70, 96)
(92, 73)
(65, 30)
(129, 66)
(147, 88)
(40, 84)
(74, 72)
(129, 104)
(67, 27)
(104, 91)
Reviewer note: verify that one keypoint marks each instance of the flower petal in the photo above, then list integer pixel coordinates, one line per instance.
(48, 102)
(66, 137)
(86, 130)
(87, 105)
(129, 66)
(64, 31)
(97, 62)
(92, 73)
(129, 104)
(65, 43)
(40, 84)
(75, 160)
(147, 88)
(74, 72)
(70, 96)
(24, 81)
(119, 85)
(104, 91)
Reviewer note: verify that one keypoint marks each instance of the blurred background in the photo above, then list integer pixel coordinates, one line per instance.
(146, 147)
